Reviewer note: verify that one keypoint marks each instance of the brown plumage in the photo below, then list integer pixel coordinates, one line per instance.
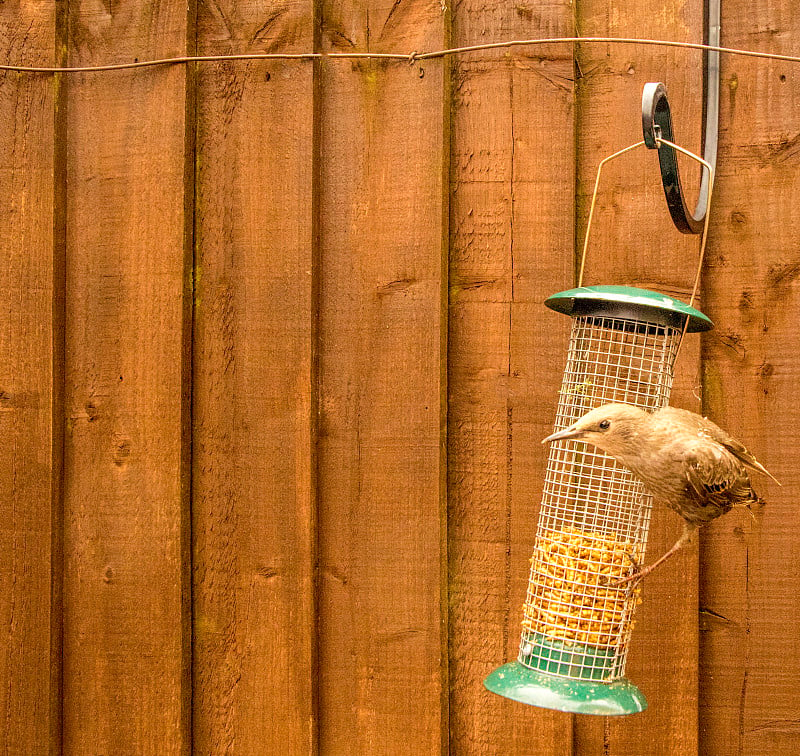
(683, 459)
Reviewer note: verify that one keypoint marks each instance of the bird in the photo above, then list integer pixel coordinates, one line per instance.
(684, 460)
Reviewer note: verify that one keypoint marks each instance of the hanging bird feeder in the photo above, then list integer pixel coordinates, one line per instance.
(594, 517)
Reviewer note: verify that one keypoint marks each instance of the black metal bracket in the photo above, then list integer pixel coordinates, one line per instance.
(657, 125)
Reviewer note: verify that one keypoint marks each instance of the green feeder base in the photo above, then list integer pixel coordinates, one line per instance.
(520, 683)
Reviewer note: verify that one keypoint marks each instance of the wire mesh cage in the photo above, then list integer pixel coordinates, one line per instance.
(594, 517)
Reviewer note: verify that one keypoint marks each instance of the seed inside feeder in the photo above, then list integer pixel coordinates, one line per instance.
(576, 597)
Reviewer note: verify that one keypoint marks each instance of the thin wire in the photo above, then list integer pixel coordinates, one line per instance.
(703, 236)
(594, 200)
(409, 57)
(607, 40)
(161, 62)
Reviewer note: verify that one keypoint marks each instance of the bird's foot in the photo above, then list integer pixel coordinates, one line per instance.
(632, 580)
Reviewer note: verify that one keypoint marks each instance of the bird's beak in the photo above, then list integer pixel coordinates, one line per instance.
(571, 432)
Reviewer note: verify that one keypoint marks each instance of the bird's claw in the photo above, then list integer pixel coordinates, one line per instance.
(634, 563)
(632, 580)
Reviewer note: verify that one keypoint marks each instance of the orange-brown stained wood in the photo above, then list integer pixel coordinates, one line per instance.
(633, 241)
(29, 390)
(126, 635)
(749, 688)
(382, 609)
(512, 182)
(252, 423)
(108, 170)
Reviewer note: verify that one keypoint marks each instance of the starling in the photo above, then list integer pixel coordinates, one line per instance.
(684, 461)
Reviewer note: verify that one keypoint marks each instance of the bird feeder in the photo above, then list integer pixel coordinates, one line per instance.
(594, 517)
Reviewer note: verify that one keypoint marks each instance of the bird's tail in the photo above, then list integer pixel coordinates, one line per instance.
(758, 467)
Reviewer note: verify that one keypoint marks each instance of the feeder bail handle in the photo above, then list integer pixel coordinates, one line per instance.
(657, 126)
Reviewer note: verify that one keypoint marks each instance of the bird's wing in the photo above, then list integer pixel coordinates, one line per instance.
(711, 430)
(717, 476)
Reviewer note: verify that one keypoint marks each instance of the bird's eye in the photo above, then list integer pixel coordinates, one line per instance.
(604, 424)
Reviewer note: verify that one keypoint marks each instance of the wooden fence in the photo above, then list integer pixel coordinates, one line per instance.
(274, 369)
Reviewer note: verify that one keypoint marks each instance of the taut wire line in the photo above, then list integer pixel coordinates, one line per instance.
(409, 57)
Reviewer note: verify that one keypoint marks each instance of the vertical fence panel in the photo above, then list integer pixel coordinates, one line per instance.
(126, 634)
(634, 242)
(541, 246)
(383, 684)
(252, 423)
(512, 181)
(29, 391)
(750, 657)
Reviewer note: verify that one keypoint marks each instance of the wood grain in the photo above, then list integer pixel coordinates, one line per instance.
(253, 468)
(512, 181)
(749, 653)
(230, 282)
(126, 630)
(30, 390)
(634, 242)
(383, 665)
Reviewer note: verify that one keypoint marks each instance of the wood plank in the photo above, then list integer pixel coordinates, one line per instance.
(30, 390)
(253, 524)
(512, 185)
(634, 242)
(382, 327)
(127, 635)
(543, 233)
(749, 653)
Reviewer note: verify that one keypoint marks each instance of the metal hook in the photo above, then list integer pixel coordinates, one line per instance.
(657, 126)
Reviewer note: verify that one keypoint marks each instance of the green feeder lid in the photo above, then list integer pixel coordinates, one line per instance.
(629, 303)
(520, 683)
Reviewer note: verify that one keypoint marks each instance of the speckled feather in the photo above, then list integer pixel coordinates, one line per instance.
(714, 465)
